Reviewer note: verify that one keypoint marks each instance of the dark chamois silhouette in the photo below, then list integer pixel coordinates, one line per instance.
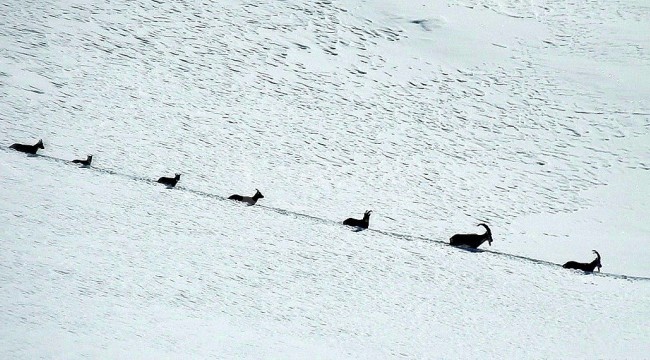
(362, 223)
(30, 149)
(587, 267)
(171, 182)
(472, 240)
(250, 200)
(84, 162)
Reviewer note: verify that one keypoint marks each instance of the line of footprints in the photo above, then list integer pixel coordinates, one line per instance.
(472, 241)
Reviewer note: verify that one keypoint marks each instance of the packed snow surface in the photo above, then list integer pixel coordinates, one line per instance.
(532, 117)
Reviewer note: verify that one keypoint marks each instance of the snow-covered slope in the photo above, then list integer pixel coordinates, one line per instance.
(532, 118)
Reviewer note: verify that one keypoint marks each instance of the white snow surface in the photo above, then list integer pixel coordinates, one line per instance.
(530, 116)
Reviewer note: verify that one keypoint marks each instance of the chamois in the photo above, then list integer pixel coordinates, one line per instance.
(250, 200)
(587, 267)
(361, 223)
(30, 149)
(84, 162)
(170, 182)
(472, 240)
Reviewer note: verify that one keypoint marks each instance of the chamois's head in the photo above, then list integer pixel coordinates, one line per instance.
(488, 233)
(598, 264)
(178, 176)
(258, 194)
(366, 215)
(39, 144)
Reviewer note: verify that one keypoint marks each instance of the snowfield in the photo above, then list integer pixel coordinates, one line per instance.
(530, 116)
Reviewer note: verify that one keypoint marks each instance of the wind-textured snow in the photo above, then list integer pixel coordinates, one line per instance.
(529, 116)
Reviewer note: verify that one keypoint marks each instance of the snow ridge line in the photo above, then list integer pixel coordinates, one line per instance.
(315, 218)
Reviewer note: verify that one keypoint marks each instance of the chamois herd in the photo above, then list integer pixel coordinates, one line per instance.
(472, 241)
